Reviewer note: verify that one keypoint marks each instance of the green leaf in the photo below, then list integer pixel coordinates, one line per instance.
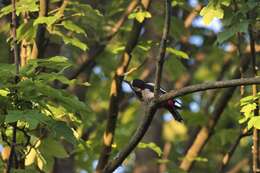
(52, 64)
(231, 31)
(247, 99)
(53, 148)
(201, 159)
(256, 122)
(151, 146)
(211, 11)
(69, 25)
(6, 10)
(21, 6)
(50, 20)
(225, 2)
(140, 16)
(61, 130)
(26, 31)
(248, 110)
(242, 120)
(177, 53)
(7, 73)
(32, 117)
(72, 40)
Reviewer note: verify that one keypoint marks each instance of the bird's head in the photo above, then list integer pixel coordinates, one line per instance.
(138, 84)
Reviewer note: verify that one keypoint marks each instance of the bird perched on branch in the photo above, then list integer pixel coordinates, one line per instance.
(145, 92)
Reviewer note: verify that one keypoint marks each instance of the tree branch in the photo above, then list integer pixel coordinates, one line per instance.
(232, 149)
(38, 45)
(208, 86)
(163, 44)
(116, 92)
(255, 148)
(123, 18)
(11, 158)
(205, 132)
(99, 46)
(150, 109)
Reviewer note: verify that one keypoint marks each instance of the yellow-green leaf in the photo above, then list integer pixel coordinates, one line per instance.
(177, 53)
(210, 12)
(151, 146)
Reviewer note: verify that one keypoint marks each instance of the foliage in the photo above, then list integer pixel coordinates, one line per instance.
(35, 105)
(248, 107)
(60, 119)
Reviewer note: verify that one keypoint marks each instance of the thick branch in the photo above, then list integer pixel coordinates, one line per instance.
(116, 92)
(152, 109)
(143, 127)
(39, 41)
(208, 86)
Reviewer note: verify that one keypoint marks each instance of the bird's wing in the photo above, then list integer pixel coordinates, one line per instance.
(152, 86)
(178, 103)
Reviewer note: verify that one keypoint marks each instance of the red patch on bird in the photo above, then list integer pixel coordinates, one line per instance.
(171, 103)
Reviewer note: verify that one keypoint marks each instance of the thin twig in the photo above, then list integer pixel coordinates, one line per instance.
(135, 68)
(163, 44)
(255, 148)
(132, 5)
(205, 132)
(150, 110)
(229, 154)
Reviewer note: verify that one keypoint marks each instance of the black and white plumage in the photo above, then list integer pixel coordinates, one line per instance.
(145, 92)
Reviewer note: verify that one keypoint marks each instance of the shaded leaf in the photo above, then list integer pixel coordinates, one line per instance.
(32, 117)
(53, 148)
(69, 25)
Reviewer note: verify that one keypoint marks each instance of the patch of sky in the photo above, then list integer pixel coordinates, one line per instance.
(167, 117)
(193, 3)
(98, 71)
(120, 169)
(194, 107)
(83, 171)
(196, 40)
(227, 47)
(215, 25)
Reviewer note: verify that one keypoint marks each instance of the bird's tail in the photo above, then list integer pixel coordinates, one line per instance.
(176, 115)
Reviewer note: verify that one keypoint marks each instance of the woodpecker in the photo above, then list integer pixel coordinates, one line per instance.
(145, 92)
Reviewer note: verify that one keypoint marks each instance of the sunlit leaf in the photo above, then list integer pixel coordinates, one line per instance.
(140, 16)
(151, 146)
(50, 20)
(211, 11)
(177, 53)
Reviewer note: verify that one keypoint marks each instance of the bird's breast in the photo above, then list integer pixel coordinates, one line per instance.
(147, 94)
